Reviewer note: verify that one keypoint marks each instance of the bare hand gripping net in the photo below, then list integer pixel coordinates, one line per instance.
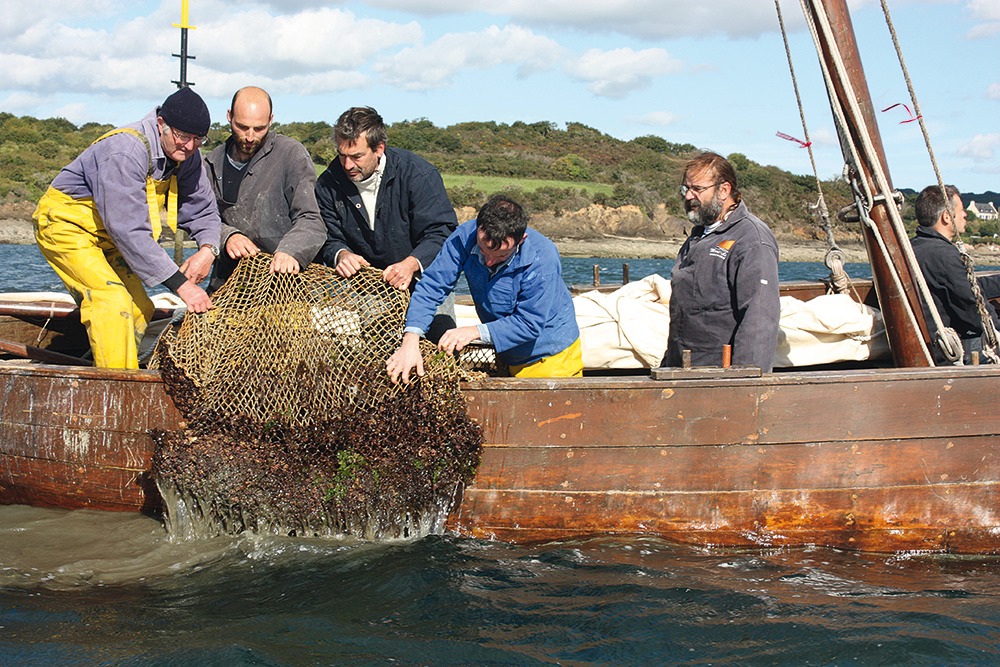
(293, 424)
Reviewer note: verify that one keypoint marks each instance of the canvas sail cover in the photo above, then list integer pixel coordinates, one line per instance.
(628, 328)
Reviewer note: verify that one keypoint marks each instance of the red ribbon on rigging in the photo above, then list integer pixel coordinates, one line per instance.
(802, 144)
(910, 113)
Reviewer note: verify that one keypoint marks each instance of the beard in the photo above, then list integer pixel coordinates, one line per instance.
(247, 149)
(703, 214)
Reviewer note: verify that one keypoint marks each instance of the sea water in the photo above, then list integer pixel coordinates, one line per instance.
(91, 588)
(25, 270)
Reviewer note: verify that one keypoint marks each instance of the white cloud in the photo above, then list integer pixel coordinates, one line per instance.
(286, 6)
(618, 72)
(985, 10)
(222, 84)
(15, 21)
(824, 136)
(645, 19)
(311, 41)
(436, 64)
(981, 147)
(987, 15)
(993, 91)
(658, 118)
(74, 113)
(20, 103)
(314, 51)
(85, 74)
(984, 31)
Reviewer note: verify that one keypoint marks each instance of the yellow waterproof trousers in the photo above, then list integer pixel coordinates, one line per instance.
(114, 306)
(565, 364)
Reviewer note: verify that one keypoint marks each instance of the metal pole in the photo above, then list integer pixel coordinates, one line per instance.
(182, 82)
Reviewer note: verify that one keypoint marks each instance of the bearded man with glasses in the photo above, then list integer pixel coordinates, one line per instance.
(99, 223)
(724, 284)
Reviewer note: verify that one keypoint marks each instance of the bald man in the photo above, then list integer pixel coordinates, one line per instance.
(265, 187)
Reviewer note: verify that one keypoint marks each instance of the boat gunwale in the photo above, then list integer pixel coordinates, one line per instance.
(783, 377)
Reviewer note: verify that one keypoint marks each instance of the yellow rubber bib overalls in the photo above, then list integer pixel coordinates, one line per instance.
(114, 306)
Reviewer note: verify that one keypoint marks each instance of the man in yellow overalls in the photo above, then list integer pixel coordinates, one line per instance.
(99, 222)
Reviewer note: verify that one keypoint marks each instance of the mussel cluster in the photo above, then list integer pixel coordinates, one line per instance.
(385, 471)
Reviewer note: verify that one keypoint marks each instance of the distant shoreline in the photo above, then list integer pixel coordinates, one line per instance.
(629, 248)
(20, 232)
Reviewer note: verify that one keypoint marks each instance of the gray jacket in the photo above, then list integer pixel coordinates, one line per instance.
(276, 207)
(724, 291)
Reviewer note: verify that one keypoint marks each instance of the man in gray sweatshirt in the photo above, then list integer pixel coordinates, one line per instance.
(265, 185)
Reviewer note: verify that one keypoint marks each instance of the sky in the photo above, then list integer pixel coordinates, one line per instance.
(712, 73)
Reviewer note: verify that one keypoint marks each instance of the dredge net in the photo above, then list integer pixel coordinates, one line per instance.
(292, 425)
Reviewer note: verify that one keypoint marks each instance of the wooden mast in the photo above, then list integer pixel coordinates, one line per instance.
(905, 326)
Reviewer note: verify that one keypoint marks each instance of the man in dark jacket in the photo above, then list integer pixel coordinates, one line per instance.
(944, 271)
(724, 284)
(264, 185)
(383, 207)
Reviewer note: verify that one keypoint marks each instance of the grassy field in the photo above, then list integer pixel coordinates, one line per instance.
(490, 184)
(496, 183)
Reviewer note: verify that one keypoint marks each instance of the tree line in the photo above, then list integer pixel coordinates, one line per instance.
(645, 171)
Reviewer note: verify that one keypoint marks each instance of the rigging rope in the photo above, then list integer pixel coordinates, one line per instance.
(878, 174)
(834, 259)
(989, 336)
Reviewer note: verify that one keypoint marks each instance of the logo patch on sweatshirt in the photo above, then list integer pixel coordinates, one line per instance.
(722, 249)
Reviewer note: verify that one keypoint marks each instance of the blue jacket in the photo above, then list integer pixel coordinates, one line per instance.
(413, 215)
(525, 304)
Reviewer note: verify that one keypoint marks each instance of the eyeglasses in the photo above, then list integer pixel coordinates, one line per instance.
(697, 189)
(184, 138)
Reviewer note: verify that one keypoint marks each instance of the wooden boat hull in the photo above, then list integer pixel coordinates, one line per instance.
(78, 437)
(880, 460)
(874, 460)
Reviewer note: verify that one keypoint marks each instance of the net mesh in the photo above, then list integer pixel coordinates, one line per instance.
(293, 426)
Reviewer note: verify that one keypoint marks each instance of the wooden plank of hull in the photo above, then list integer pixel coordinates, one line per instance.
(832, 494)
(78, 437)
(737, 468)
(50, 483)
(881, 461)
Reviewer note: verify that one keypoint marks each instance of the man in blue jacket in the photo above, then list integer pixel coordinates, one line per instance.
(383, 207)
(515, 278)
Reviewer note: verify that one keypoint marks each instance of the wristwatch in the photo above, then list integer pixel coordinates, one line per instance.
(212, 247)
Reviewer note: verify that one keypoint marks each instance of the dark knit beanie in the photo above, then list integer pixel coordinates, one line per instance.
(187, 112)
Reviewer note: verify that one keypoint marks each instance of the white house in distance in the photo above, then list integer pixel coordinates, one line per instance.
(983, 211)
